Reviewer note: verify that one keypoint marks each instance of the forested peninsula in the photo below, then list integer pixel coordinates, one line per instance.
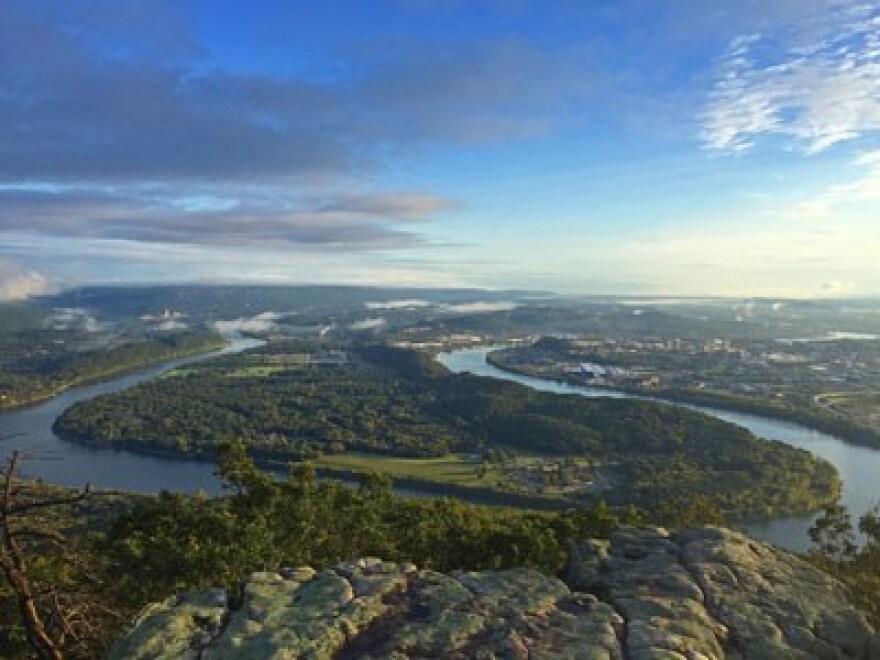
(362, 408)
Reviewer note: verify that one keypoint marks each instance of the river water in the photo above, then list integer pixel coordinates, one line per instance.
(71, 464)
(859, 467)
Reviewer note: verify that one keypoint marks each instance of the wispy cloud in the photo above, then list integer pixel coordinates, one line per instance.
(816, 83)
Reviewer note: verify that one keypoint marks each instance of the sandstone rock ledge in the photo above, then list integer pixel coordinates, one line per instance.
(701, 593)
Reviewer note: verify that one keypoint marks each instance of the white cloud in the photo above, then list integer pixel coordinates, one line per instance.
(18, 283)
(368, 324)
(66, 318)
(413, 303)
(264, 322)
(172, 324)
(479, 307)
(817, 83)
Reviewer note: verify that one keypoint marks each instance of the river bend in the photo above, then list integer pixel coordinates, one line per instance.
(859, 467)
(72, 464)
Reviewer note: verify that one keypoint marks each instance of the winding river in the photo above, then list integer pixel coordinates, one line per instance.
(859, 467)
(71, 464)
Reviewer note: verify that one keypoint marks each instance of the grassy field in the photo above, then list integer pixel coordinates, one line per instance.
(258, 371)
(255, 366)
(250, 371)
(453, 469)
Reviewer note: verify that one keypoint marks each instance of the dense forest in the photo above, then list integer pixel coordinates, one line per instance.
(298, 400)
(288, 405)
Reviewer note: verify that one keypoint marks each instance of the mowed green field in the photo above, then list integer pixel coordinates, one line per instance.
(249, 371)
(453, 469)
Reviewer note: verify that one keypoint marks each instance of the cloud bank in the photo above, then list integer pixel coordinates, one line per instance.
(74, 109)
(381, 220)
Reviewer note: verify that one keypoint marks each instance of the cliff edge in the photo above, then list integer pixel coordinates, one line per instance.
(645, 593)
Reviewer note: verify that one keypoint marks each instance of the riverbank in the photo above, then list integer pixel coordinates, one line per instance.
(74, 464)
(822, 422)
(42, 395)
(279, 462)
(413, 486)
(857, 466)
(471, 479)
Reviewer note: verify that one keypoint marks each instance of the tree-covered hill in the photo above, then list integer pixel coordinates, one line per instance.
(303, 399)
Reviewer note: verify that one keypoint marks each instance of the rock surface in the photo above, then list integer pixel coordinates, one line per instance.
(701, 593)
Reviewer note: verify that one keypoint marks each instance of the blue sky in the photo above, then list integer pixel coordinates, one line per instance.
(610, 147)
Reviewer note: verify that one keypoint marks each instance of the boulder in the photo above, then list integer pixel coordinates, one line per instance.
(714, 593)
(642, 594)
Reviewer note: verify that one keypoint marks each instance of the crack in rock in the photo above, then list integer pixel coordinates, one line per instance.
(704, 593)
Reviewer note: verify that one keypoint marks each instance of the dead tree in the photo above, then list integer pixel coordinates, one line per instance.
(51, 619)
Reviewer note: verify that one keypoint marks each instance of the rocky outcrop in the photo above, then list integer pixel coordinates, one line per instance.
(701, 593)
(714, 593)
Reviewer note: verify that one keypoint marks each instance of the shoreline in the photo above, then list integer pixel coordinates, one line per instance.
(801, 418)
(410, 486)
(112, 374)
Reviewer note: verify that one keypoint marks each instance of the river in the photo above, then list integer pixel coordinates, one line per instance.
(859, 467)
(71, 464)
(56, 461)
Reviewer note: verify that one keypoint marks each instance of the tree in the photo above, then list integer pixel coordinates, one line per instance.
(50, 581)
(690, 511)
(833, 535)
(856, 564)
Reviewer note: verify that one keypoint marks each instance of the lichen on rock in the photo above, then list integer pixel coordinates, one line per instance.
(645, 593)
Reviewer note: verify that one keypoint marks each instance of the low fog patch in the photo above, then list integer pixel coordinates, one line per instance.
(261, 323)
(479, 307)
(74, 318)
(369, 324)
(172, 324)
(413, 303)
